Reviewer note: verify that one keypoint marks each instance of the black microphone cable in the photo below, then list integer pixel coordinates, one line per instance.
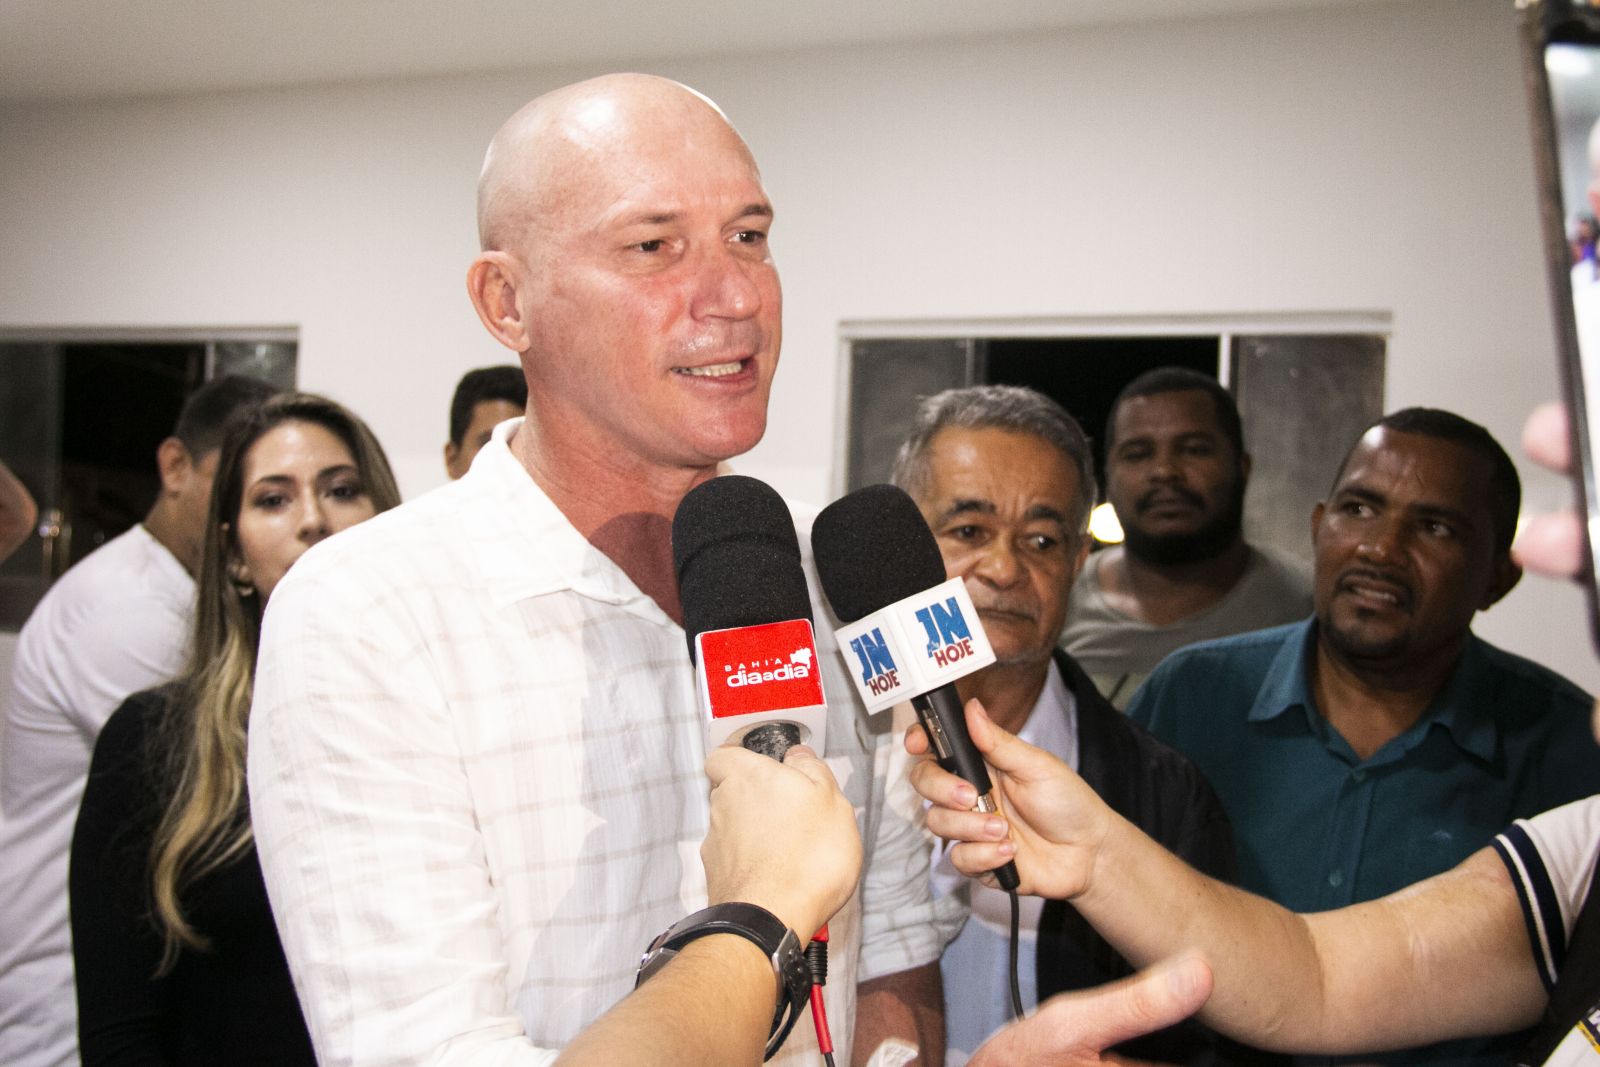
(1016, 926)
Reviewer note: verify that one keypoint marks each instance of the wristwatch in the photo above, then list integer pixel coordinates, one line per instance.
(755, 924)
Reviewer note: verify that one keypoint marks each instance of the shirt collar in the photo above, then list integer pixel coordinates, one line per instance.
(163, 558)
(1458, 706)
(1287, 684)
(1053, 723)
(526, 547)
(1461, 706)
(1054, 695)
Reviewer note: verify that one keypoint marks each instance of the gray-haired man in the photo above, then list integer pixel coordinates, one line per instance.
(1005, 479)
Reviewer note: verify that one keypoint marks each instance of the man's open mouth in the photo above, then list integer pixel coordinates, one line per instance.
(713, 370)
(1377, 590)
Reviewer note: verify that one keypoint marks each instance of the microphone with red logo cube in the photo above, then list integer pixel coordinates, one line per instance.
(910, 632)
(747, 616)
(753, 676)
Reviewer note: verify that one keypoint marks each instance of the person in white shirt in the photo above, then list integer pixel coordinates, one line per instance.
(475, 748)
(114, 624)
(484, 398)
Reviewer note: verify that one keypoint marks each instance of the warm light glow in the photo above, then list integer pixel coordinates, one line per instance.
(1103, 525)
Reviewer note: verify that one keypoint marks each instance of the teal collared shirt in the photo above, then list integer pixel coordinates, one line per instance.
(1319, 828)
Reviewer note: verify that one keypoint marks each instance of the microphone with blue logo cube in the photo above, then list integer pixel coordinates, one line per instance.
(909, 632)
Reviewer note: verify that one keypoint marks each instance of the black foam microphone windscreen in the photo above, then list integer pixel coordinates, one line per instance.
(879, 550)
(737, 557)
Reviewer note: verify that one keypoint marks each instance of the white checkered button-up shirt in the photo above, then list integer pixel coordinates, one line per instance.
(477, 788)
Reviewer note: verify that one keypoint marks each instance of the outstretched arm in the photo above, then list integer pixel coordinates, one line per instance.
(1405, 970)
(783, 837)
(711, 1005)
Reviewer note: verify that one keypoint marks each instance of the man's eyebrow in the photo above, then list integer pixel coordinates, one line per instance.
(666, 218)
(967, 506)
(1426, 509)
(1045, 511)
(1361, 492)
(1444, 511)
(657, 218)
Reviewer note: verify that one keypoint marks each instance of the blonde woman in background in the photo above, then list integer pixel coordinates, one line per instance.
(176, 954)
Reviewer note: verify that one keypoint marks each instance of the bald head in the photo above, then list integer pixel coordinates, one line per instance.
(556, 139)
(625, 260)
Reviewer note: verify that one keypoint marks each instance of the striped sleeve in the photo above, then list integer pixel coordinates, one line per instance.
(1551, 858)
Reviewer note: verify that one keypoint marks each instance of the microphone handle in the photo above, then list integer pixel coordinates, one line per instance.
(945, 722)
(773, 739)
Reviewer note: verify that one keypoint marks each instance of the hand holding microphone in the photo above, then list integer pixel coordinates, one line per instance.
(782, 836)
(1054, 822)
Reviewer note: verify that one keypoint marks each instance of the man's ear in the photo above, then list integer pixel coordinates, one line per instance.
(1507, 573)
(175, 465)
(1244, 465)
(492, 283)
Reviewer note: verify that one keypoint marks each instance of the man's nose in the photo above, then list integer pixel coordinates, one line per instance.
(1382, 540)
(997, 564)
(1164, 466)
(729, 285)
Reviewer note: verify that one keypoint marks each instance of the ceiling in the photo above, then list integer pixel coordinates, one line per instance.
(84, 49)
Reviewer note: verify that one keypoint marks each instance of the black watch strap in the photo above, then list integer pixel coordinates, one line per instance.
(755, 924)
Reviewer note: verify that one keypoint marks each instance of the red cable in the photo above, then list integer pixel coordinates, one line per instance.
(819, 977)
(819, 1016)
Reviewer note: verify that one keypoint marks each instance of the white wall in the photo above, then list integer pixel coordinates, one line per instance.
(1369, 157)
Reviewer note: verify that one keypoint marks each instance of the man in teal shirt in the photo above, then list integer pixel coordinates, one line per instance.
(1380, 742)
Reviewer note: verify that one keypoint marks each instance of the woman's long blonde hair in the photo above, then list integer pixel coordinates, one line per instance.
(205, 821)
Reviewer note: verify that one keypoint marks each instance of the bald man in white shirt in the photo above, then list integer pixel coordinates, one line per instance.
(476, 752)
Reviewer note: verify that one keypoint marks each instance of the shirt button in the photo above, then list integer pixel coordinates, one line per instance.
(1336, 879)
(1358, 777)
